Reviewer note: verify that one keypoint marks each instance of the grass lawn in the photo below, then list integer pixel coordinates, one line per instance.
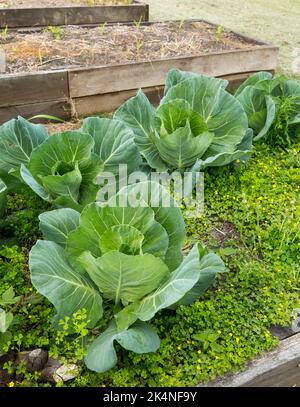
(268, 20)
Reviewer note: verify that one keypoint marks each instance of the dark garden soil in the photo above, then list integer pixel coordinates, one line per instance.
(71, 47)
(60, 3)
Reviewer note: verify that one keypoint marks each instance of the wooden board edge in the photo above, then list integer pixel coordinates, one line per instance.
(133, 11)
(11, 86)
(279, 367)
(106, 103)
(87, 81)
(58, 108)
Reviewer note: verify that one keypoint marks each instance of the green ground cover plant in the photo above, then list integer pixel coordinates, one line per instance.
(245, 223)
(272, 105)
(108, 271)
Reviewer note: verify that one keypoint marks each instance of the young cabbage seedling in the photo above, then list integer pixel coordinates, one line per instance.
(40, 56)
(181, 23)
(138, 45)
(102, 28)
(138, 23)
(219, 33)
(56, 32)
(4, 33)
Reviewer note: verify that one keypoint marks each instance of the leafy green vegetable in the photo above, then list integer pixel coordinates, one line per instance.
(6, 319)
(63, 170)
(197, 121)
(139, 338)
(3, 193)
(18, 138)
(67, 289)
(8, 297)
(273, 107)
(126, 254)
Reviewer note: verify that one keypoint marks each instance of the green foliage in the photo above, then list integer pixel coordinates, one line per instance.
(219, 33)
(18, 138)
(197, 123)
(273, 107)
(65, 167)
(246, 222)
(128, 258)
(4, 33)
(21, 225)
(251, 220)
(56, 32)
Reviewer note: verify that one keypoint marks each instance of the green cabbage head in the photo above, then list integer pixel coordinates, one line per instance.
(64, 168)
(124, 258)
(273, 107)
(197, 123)
(18, 138)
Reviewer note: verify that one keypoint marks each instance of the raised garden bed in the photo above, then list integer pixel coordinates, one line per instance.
(47, 72)
(30, 13)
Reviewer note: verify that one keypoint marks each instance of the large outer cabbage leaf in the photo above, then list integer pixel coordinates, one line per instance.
(272, 105)
(210, 265)
(138, 114)
(178, 284)
(56, 225)
(176, 76)
(114, 143)
(242, 153)
(3, 192)
(140, 338)
(18, 138)
(122, 277)
(68, 290)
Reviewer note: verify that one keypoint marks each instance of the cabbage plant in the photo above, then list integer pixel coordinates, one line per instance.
(18, 138)
(273, 107)
(64, 168)
(198, 123)
(126, 258)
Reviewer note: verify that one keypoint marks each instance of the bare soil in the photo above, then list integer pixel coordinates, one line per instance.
(67, 126)
(71, 47)
(60, 3)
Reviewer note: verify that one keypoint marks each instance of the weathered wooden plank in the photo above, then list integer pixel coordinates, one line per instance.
(107, 79)
(32, 17)
(60, 108)
(280, 367)
(17, 89)
(110, 101)
(2, 61)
